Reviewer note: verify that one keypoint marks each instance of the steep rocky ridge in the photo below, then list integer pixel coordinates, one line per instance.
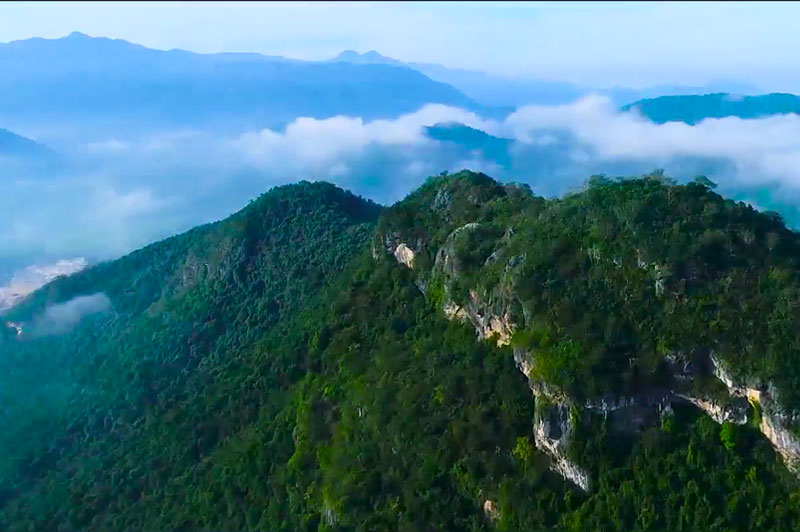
(470, 250)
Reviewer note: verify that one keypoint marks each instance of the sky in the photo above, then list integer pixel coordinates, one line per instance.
(599, 44)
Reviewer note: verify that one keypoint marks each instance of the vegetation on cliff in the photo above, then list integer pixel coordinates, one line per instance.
(280, 370)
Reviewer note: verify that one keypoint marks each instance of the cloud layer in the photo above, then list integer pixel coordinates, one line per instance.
(121, 193)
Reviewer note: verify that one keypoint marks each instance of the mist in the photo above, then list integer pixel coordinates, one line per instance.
(63, 317)
(111, 195)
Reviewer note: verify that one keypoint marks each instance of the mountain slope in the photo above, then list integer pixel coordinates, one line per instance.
(506, 92)
(491, 148)
(16, 146)
(694, 109)
(318, 363)
(488, 89)
(106, 83)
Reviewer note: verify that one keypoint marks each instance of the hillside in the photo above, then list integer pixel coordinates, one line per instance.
(115, 85)
(495, 149)
(473, 357)
(694, 108)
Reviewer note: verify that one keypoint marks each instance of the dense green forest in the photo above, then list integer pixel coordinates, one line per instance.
(283, 370)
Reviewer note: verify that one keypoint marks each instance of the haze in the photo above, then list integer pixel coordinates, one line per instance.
(602, 44)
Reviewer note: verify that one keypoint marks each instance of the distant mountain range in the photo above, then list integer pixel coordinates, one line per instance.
(501, 91)
(116, 84)
(695, 108)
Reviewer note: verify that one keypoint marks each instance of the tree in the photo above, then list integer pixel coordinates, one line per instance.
(706, 182)
(727, 435)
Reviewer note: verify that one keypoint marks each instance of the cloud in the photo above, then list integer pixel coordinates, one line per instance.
(117, 194)
(34, 277)
(315, 142)
(63, 317)
(113, 204)
(765, 150)
(125, 192)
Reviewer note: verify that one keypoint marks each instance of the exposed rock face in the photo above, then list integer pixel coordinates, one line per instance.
(785, 442)
(489, 325)
(632, 414)
(773, 420)
(490, 315)
(454, 312)
(552, 428)
(491, 510)
(404, 255)
(496, 313)
(522, 362)
(734, 413)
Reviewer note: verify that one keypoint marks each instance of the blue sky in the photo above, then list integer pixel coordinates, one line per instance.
(601, 44)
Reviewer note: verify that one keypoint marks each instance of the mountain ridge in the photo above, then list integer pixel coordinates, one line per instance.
(103, 80)
(319, 362)
(693, 109)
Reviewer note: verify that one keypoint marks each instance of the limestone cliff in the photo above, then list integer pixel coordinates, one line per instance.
(476, 268)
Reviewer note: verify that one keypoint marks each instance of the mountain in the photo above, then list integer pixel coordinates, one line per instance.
(368, 58)
(491, 148)
(488, 89)
(693, 109)
(507, 92)
(113, 84)
(474, 357)
(16, 146)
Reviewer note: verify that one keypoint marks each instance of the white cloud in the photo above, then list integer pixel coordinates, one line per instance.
(108, 146)
(762, 150)
(34, 277)
(111, 204)
(62, 317)
(151, 187)
(314, 143)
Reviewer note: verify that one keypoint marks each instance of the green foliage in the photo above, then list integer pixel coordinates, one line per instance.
(727, 435)
(267, 373)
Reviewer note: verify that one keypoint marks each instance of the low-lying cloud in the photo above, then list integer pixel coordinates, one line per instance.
(120, 193)
(762, 149)
(63, 317)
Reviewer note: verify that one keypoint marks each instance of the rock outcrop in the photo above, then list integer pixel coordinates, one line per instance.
(735, 413)
(404, 255)
(496, 313)
(491, 510)
(774, 421)
(552, 428)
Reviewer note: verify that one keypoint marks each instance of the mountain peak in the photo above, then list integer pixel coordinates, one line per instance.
(75, 35)
(372, 56)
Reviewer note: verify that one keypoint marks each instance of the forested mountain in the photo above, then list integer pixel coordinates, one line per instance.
(491, 148)
(693, 109)
(474, 357)
(115, 85)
